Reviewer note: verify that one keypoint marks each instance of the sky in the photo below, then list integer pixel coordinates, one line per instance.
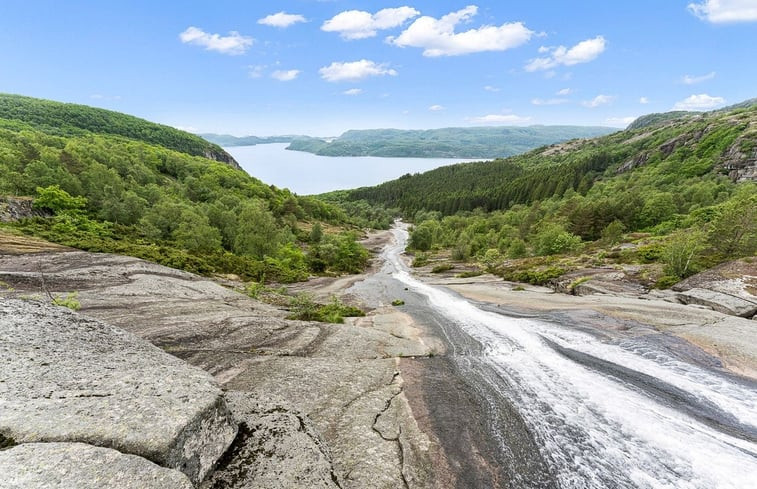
(321, 67)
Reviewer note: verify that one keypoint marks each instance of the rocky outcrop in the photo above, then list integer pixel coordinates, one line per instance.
(591, 281)
(222, 156)
(70, 378)
(730, 288)
(80, 466)
(15, 208)
(717, 301)
(740, 159)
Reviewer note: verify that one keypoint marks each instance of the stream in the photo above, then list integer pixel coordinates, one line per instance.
(568, 407)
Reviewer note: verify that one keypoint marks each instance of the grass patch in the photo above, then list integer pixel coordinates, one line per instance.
(304, 308)
(71, 301)
(398, 302)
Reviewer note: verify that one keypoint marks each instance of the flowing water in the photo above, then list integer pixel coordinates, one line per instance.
(602, 414)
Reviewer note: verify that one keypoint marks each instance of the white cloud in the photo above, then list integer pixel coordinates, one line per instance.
(619, 121)
(233, 44)
(353, 91)
(564, 91)
(725, 11)
(583, 52)
(598, 100)
(490, 88)
(358, 24)
(643, 100)
(256, 71)
(499, 119)
(355, 70)
(436, 108)
(692, 80)
(187, 128)
(550, 101)
(285, 75)
(437, 37)
(281, 19)
(699, 102)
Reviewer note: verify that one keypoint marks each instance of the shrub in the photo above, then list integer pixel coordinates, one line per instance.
(420, 260)
(469, 274)
(442, 267)
(534, 276)
(57, 199)
(304, 308)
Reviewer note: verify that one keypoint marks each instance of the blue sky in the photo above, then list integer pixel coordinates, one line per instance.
(322, 67)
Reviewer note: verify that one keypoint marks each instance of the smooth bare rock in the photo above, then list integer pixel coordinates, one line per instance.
(277, 448)
(736, 278)
(339, 375)
(81, 466)
(718, 301)
(66, 377)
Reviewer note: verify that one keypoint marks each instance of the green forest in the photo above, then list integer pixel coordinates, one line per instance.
(675, 190)
(62, 119)
(452, 142)
(139, 189)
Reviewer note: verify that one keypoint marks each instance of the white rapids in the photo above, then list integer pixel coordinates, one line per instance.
(594, 428)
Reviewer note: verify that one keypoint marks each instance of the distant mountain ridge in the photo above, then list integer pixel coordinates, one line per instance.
(64, 119)
(229, 140)
(451, 142)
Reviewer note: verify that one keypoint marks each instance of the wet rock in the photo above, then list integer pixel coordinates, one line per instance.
(277, 448)
(727, 304)
(66, 377)
(81, 466)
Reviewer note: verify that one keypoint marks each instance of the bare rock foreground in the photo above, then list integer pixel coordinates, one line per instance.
(291, 404)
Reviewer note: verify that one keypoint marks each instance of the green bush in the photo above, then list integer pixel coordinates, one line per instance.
(534, 276)
(303, 307)
(442, 267)
(420, 260)
(57, 199)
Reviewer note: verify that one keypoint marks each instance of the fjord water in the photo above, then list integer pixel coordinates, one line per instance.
(620, 413)
(308, 174)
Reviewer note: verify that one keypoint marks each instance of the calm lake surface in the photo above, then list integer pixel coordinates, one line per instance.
(306, 173)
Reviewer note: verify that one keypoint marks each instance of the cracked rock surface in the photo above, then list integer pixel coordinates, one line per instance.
(65, 377)
(81, 466)
(277, 447)
(334, 378)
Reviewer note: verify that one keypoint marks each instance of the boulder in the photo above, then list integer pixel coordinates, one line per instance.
(81, 466)
(718, 301)
(66, 377)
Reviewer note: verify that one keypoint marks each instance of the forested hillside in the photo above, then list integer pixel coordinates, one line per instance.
(117, 194)
(71, 120)
(453, 142)
(685, 181)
